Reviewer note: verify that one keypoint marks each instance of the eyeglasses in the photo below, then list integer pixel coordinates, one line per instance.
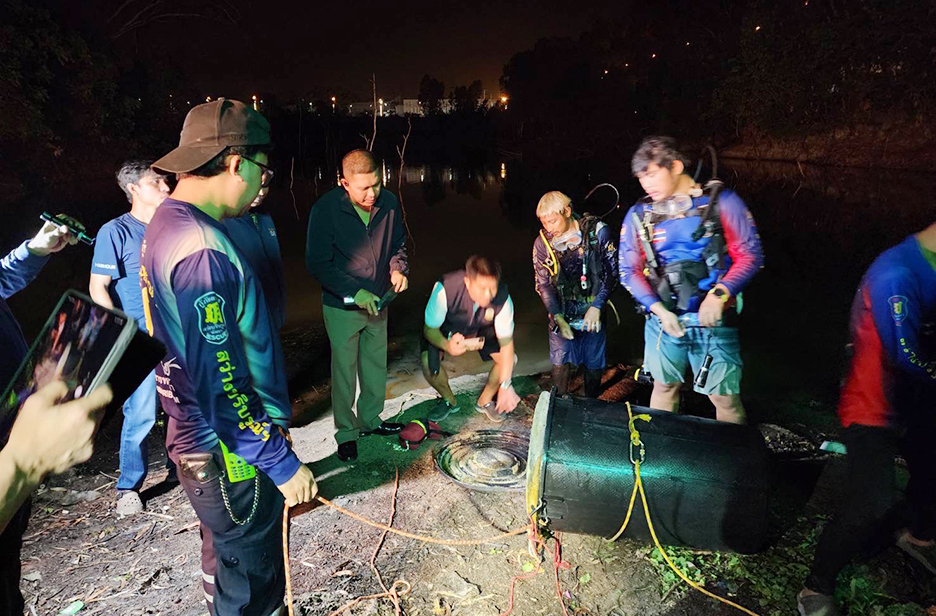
(267, 177)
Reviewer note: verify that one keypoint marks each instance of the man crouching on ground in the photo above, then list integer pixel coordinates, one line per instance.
(222, 383)
(471, 310)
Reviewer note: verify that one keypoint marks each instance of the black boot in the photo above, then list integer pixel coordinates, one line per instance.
(593, 383)
(560, 379)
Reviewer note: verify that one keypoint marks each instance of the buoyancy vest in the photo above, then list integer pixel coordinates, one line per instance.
(677, 282)
(580, 286)
(461, 315)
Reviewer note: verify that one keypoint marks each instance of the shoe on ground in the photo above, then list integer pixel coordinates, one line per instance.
(816, 605)
(347, 452)
(129, 503)
(490, 409)
(386, 428)
(923, 554)
(172, 477)
(442, 410)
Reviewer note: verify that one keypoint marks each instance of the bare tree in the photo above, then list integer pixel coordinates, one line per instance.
(369, 143)
(134, 14)
(401, 152)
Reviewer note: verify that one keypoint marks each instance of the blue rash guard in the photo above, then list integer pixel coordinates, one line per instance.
(672, 241)
(892, 379)
(224, 375)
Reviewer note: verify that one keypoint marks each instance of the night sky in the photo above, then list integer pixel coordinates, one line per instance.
(300, 48)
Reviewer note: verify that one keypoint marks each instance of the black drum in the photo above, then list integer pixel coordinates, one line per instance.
(707, 482)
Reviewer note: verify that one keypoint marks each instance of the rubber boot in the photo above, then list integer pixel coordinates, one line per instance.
(593, 383)
(560, 379)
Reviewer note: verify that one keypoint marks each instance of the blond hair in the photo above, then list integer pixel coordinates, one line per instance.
(553, 202)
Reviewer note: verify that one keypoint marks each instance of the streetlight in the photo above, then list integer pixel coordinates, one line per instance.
(254, 97)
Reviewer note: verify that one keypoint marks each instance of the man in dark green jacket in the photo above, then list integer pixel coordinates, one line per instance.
(356, 249)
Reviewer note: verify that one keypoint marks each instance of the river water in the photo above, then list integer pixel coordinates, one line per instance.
(821, 227)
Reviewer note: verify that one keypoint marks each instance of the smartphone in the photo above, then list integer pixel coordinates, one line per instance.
(80, 344)
(78, 233)
(474, 344)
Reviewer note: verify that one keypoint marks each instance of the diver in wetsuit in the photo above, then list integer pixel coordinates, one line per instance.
(685, 255)
(573, 266)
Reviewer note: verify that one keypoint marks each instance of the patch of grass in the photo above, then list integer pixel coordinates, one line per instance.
(863, 593)
(769, 582)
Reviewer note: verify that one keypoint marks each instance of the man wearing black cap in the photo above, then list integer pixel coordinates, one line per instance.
(223, 381)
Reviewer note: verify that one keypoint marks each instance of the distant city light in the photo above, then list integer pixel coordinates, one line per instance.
(687, 43)
(504, 100)
(254, 97)
(207, 99)
(606, 71)
(653, 55)
(626, 65)
(503, 171)
(757, 29)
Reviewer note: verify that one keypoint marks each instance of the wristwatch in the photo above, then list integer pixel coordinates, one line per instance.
(721, 294)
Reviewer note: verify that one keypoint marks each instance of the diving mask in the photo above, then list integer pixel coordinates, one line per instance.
(673, 206)
(570, 240)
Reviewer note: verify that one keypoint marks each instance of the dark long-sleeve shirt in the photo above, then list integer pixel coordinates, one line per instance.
(254, 235)
(224, 375)
(892, 369)
(345, 255)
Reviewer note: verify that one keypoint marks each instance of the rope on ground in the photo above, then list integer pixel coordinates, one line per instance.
(637, 444)
(537, 543)
(423, 538)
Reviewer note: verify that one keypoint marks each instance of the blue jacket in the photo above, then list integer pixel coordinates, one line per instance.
(17, 270)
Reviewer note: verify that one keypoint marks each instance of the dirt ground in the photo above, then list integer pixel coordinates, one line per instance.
(77, 549)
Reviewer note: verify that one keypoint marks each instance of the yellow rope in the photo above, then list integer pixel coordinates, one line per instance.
(638, 487)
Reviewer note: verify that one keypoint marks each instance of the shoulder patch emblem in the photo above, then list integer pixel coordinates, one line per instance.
(489, 314)
(898, 308)
(210, 308)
